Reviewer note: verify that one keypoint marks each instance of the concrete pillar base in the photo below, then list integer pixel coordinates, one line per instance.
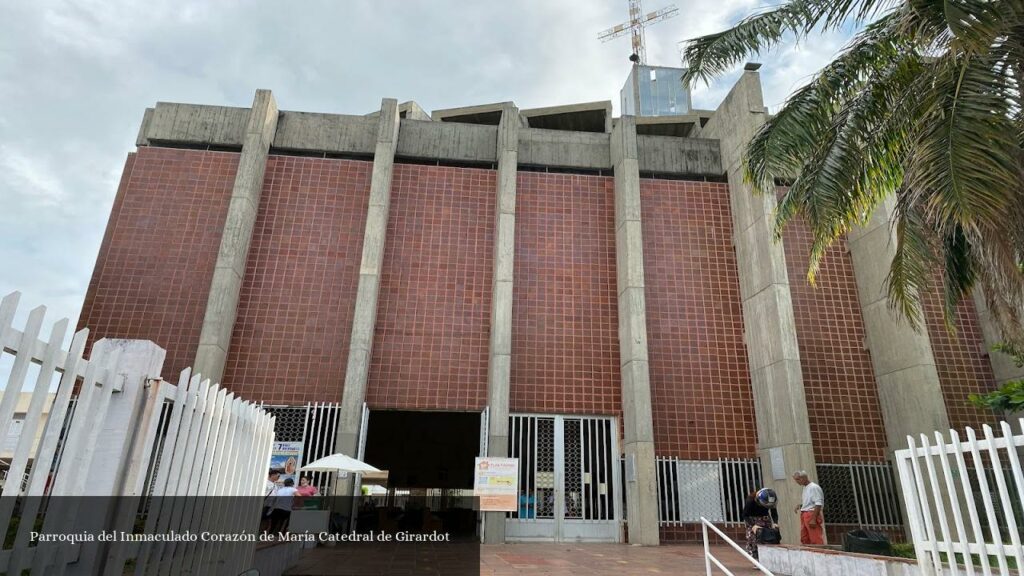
(642, 494)
(793, 457)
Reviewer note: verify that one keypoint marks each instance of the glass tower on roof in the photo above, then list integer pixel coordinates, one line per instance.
(655, 91)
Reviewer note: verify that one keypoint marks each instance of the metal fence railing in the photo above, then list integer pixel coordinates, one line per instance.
(689, 490)
(315, 425)
(860, 494)
(710, 558)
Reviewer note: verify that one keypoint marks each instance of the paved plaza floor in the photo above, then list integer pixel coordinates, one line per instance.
(560, 560)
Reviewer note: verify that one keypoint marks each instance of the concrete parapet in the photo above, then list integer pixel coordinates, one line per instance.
(142, 139)
(196, 124)
(447, 141)
(337, 133)
(559, 136)
(558, 148)
(672, 155)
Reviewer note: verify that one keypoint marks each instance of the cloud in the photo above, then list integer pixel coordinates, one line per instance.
(30, 177)
(76, 76)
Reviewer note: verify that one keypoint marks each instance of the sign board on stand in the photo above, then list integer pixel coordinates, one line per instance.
(496, 484)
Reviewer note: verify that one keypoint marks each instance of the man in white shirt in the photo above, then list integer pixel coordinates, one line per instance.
(283, 499)
(272, 477)
(812, 521)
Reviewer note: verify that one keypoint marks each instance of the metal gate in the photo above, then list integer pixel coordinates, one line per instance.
(568, 479)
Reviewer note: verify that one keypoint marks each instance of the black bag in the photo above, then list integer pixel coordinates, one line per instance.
(867, 542)
(769, 536)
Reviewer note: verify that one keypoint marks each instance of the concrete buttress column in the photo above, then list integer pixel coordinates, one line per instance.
(638, 446)
(500, 355)
(909, 391)
(365, 318)
(1003, 367)
(222, 304)
(780, 406)
(908, 383)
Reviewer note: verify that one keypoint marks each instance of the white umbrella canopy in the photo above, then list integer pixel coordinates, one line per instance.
(339, 463)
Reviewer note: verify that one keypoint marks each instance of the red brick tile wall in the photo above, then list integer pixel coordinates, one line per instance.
(839, 379)
(565, 341)
(700, 381)
(153, 273)
(291, 337)
(430, 348)
(101, 258)
(961, 362)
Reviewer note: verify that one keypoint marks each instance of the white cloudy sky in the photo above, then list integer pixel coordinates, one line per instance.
(76, 75)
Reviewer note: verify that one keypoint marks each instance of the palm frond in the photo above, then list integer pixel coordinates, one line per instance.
(925, 105)
(965, 163)
(711, 55)
(913, 265)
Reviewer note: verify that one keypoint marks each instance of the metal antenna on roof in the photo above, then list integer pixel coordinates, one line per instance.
(637, 22)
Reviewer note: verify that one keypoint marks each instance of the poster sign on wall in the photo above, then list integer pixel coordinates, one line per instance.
(496, 484)
(286, 458)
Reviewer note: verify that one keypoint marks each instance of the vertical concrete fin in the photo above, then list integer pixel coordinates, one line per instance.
(909, 390)
(1003, 366)
(364, 319)
(263, 118)
(623, 139)
(387, 127)
(222, 304)
(904, 363)
(638, 445)
(780, 406)
(499, 371)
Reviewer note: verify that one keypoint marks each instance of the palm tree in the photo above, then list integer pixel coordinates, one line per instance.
(924, 104)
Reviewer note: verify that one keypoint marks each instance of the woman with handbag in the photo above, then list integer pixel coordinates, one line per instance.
(761, 519)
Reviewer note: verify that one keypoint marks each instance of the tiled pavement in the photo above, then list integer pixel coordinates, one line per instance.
(602, 560)
(555, 560)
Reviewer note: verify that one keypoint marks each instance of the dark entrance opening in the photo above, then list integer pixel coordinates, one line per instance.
(429, 457)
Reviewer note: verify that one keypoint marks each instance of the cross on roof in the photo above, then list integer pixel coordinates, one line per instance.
(636, 24)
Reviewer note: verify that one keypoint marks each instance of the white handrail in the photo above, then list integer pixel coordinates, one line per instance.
(709, 558)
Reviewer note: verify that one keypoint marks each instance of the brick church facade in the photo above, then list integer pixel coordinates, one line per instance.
(541, 264)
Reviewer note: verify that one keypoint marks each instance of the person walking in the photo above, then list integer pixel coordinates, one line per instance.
(759, 513)
(812, 521)
(281, 513)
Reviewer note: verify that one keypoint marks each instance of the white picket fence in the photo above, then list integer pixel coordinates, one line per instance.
(113, 428)
(964, 499)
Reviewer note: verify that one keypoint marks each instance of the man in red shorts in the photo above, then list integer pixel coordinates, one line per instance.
(812, 524)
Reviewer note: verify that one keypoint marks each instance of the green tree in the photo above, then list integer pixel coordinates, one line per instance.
(1009, 397)
(923, 105)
